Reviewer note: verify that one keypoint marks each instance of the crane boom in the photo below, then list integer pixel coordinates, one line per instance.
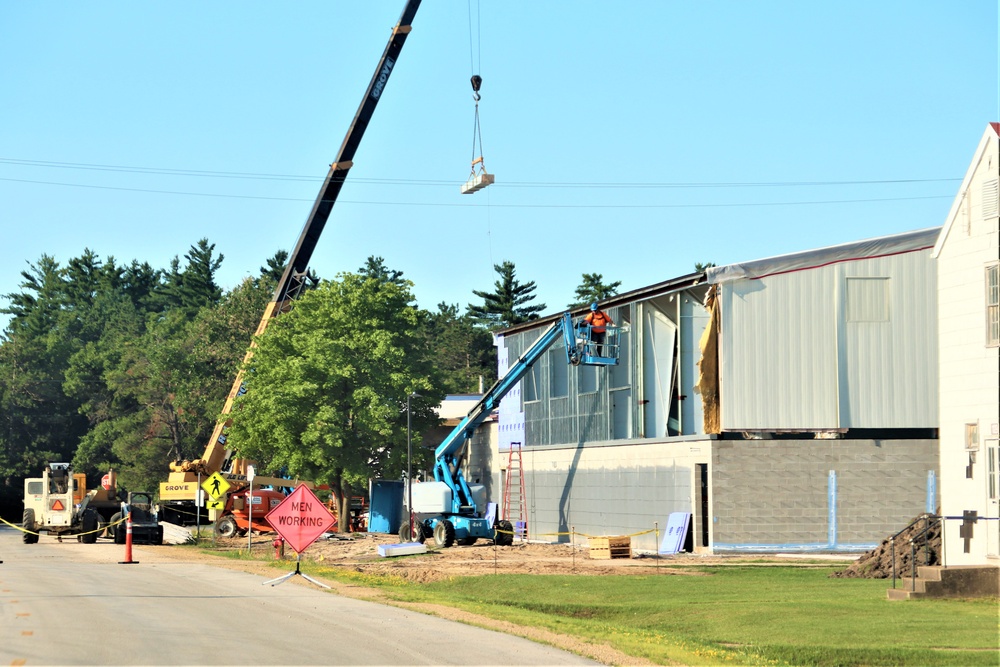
(182, 484)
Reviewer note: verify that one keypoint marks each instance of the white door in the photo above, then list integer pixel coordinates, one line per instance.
(657, 368)
(993, 497)
(621, 414)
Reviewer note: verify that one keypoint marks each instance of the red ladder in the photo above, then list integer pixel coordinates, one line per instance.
(513, 493)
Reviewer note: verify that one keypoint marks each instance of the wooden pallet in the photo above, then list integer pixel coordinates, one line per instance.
(606, 548)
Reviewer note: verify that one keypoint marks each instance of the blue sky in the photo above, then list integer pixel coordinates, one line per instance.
(630, 139)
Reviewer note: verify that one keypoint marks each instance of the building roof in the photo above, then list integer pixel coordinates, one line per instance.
(991, 134)
(882, 246)
(894, 244)
(648, 292)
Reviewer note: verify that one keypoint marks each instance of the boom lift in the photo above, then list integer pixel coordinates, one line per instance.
(457, 510)
(180, 491)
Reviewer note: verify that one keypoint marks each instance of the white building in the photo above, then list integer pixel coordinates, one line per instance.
(967, 255)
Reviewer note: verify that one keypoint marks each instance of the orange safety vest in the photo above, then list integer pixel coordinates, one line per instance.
(598, 320)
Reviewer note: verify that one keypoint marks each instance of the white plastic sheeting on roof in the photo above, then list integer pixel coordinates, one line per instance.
(810, 259)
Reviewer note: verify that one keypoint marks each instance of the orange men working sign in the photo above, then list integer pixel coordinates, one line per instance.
(299, 519)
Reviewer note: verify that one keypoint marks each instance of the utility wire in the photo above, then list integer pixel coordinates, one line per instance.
(450, 183)
(454, 205)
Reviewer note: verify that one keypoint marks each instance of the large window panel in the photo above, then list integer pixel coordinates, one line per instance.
(558, 373)
(993, 305)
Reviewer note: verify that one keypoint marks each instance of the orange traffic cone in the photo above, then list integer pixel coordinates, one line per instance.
(128, 543)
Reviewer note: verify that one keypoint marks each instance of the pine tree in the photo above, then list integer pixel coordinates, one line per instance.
(593, 288)
(507, 304)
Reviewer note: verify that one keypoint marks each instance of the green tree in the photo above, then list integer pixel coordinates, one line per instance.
(35, 310)
(39, 422)
(700, 267)
(375, 267)
(462, 351)
(153, 397)
(274, 268)
(329, 382)
(593, 288)
(507, 304)
(194, 286)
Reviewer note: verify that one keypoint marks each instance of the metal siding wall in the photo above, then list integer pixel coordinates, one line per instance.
(791, 360)
(778, 352)
(889, 369)
(916, 378)
(593, 416)
(562, 420)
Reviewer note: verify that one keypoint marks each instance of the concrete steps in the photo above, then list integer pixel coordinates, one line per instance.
(962, 581)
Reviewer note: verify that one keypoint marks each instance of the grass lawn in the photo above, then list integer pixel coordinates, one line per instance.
(754, 615)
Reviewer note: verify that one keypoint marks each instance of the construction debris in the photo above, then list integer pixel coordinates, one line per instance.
(879, 562)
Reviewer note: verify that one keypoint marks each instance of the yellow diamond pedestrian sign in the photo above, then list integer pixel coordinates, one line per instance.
(216, 486)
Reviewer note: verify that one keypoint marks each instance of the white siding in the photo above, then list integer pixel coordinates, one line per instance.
(803, 351)
(969, 375)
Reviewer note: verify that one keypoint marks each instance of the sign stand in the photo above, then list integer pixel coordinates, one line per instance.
(299, 519)
(298, 572)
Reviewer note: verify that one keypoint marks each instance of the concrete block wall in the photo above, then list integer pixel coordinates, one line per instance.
(817, 494)
(609, 489)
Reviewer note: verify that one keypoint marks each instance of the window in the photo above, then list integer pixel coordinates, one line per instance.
(994, 468)
(530, 387)
(620, 375)
(993, 305)
(558, 373)
(588, 379)
(990, 198)
(867, 299)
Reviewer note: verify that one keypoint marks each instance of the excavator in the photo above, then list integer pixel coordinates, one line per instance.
(179, 494)
(451, 510)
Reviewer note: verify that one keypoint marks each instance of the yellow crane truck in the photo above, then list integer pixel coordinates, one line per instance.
(179, 494)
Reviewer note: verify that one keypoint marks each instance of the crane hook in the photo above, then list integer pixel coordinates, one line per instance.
(477, 82)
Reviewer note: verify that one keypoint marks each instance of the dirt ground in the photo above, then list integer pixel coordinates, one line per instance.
(359, 553)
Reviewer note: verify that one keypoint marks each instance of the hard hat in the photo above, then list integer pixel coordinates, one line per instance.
(593, 306)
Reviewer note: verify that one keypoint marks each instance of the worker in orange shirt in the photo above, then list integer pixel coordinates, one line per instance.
(599, 322)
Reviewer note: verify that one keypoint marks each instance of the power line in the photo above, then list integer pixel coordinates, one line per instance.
(451, 183)
(455, 205)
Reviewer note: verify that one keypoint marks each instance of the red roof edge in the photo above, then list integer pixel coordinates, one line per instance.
(996, 128)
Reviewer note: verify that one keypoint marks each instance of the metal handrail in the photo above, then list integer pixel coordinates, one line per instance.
(913, 548)
(892, 541)
(913, 551)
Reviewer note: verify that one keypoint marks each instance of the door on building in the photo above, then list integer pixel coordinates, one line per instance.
(701, 522)
(658, 335)
(621, 414)
(993, 497)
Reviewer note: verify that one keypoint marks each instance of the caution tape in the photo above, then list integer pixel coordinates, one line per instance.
(180, 511)
(643, 532)
(99, 530)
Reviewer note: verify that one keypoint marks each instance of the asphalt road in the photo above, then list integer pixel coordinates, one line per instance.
(58, 607)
